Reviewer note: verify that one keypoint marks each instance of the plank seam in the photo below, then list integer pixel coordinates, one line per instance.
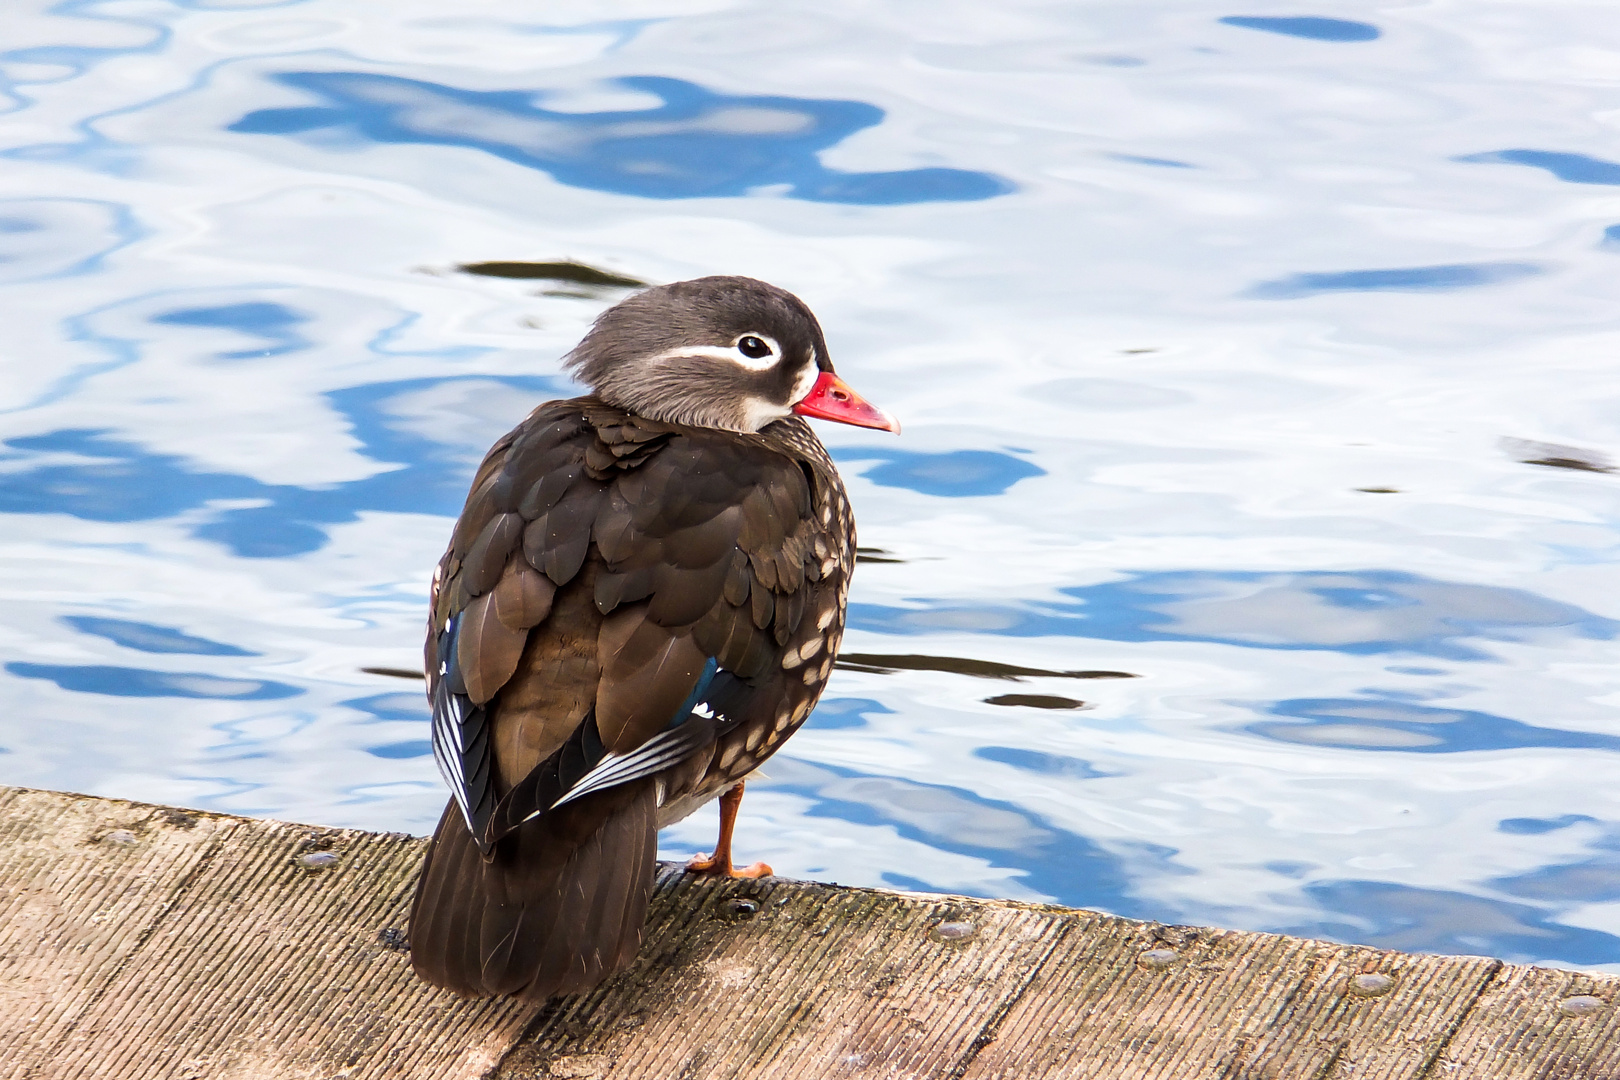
(204, 861)
(992, 1024)
(1252, 1035)
(1426, 1070)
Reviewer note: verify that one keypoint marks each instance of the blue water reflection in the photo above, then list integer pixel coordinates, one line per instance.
(695, 144)
(273, 323)
(1590, 881)
(1052, 861)
(44, 238)
(951, 474)
(1570, 168)
(146, 637)
(1042, 764)
(1372, 611)
(1382, 724)
(1399, 279)
(140, 682)
(389, 708)
(118, 480)
(1537, 826)
(1402, 917)
(1312, 27)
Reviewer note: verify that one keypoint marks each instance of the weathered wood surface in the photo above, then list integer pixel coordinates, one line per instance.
(146, 942)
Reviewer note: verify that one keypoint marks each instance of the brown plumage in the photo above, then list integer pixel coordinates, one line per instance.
(635, 610)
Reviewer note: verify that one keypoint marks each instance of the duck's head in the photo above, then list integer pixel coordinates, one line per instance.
(719, 352)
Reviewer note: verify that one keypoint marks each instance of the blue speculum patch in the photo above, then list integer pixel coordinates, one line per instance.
(696, 144)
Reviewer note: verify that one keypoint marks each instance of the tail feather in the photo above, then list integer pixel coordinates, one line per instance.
(557, 907)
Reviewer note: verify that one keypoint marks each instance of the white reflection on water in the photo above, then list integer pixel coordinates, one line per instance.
(1207, 336)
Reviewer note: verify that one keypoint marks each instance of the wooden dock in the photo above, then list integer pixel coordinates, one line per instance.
(147, 942)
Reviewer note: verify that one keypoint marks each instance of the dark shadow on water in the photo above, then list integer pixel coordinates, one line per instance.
(1399, 279)
(139, 682)
(1378, 724)
(394, 672)
(889, 663)
(147, 637)
(571, 272)
(1312, 27)
(1570, 168)
(1556, 455)
(1035, 701)
(695, 144)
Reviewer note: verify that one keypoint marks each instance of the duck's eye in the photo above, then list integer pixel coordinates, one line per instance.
(753, 348)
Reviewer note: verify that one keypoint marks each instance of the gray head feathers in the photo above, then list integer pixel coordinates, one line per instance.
(722, 352)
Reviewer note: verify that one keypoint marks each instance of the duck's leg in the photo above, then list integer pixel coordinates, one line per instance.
(719, 863)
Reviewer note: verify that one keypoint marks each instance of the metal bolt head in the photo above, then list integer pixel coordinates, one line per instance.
(1580, 1005)
(1371, 984)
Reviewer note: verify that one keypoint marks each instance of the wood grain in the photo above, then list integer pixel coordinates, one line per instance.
(147, 943)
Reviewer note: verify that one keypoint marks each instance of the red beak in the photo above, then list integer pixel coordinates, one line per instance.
(832, 399)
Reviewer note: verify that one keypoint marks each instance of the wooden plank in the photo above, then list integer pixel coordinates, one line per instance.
(82, 884)
(1137, 1000)
(140, 942)
(261, 956)
(792, 980)
(1539, 1024)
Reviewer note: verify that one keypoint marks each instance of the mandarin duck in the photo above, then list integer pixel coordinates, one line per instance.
(641, 601)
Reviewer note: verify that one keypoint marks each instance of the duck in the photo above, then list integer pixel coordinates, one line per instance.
(641, 601)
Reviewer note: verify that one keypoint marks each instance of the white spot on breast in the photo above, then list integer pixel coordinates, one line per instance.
(809, 648)
(755, 737)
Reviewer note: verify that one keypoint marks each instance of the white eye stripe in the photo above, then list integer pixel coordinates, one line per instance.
(732, 355)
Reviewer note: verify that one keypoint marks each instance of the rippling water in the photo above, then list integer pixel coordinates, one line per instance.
(1249, 557)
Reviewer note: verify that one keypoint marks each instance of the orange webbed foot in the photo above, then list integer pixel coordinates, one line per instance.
(719, 863)
(708, 864)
